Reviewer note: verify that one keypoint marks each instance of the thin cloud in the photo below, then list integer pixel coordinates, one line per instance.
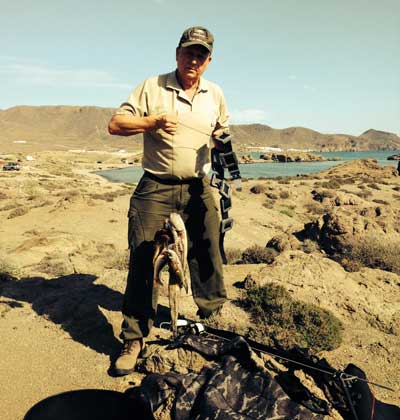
(249, 116)
(39, 74)
(308, 87)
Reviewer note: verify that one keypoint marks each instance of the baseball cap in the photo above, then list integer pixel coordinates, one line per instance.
(197, 35)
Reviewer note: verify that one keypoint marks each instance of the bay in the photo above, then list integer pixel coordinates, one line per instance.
(132, 174)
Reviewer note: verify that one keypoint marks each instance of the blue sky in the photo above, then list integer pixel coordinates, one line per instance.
(329, 65)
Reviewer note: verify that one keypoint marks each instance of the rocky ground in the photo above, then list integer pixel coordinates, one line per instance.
(63, 246)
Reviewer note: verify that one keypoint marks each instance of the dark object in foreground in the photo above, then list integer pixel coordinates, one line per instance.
(12, 166)
(90, 404)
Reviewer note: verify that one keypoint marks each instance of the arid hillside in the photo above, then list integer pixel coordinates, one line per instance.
(29, 129)
(324, 246)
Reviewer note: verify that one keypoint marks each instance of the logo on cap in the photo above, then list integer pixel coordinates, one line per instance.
(197, 35)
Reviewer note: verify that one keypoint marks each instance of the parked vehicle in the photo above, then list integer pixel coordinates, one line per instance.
(12, 166)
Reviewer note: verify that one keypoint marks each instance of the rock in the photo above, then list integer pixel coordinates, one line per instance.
(336, 199)
(393, 157)
(159, 359)
(293, 156)
(363, 168)
(346, 227)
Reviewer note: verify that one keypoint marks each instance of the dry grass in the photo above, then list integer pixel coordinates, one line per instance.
(316, 208)
(233, 255)
(374, 252)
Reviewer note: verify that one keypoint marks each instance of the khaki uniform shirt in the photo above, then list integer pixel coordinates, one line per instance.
(186, 154)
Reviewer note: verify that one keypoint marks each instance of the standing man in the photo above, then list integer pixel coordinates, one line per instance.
(179, 114)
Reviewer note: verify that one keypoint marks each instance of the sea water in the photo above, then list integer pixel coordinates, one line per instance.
(132, 174)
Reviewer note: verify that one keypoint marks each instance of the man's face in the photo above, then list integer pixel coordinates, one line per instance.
(192, 61)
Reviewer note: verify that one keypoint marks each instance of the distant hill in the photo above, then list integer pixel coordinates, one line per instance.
(33, 128)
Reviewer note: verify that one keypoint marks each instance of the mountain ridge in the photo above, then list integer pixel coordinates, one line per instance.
(59, 127)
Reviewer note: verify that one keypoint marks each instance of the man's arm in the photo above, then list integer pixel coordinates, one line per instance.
(129, 124)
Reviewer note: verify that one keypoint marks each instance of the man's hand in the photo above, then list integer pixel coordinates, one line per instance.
(168, 123)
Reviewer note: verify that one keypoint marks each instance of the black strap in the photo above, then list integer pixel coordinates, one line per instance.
(221, 160)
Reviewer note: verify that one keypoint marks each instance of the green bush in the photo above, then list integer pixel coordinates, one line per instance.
(279, 318)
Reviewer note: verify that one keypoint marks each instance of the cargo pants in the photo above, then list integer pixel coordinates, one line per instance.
(151, 203)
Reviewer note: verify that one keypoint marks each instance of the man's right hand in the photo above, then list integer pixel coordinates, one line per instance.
(168, 123)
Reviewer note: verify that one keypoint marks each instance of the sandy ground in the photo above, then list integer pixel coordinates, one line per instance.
(63, 239)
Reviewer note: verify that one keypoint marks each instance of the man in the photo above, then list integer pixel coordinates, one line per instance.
(179, 114)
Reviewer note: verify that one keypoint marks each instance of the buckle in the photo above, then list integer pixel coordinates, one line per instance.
(226, 204)
(215, 180)
(224, 137)
(228, 160)
(226, 224)
(224, 188)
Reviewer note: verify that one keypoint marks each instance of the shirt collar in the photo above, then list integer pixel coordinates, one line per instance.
(172, 83)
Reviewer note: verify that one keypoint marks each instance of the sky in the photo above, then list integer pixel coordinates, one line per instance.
(329, 65)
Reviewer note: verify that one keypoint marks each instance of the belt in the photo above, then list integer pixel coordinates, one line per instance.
(172, 181)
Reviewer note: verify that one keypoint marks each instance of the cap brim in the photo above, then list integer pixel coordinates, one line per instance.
(189, 43)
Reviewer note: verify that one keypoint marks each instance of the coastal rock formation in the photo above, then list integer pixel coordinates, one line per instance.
(393, 157)
(366, 168)
(292, 156)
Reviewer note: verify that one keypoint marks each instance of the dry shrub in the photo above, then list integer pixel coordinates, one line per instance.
(283, 181)
(374, 252)
(332, 184)
(118, 260)
(279, 318)
(110, 196)
(374, 186)
(284, 194)
(396, 188)
(257, 254)
(257, 189)
(309, 246)
(380, 201)
(3, 196)
(363, 194)
(233, 255)
(19, 211)
(287, 211)
(54, 266)
(316, 208)
(269, 204)
(9, 206)
(8, 269)
(271, 196)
